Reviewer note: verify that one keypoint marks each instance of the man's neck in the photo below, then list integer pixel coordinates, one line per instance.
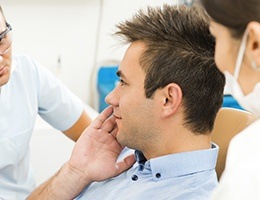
(179, 143)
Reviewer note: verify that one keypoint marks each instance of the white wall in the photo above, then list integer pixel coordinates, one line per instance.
(48, 30)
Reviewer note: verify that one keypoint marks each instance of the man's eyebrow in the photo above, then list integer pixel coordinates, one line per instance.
(119, 73)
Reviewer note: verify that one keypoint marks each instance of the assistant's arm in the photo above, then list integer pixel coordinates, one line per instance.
(80, 125)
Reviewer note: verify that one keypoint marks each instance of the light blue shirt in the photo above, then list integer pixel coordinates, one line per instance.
(181, 176)
(31, 90)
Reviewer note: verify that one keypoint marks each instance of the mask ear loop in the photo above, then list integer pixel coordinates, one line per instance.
(240, 55)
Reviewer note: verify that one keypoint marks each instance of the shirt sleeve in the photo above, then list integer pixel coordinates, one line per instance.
(56, 103)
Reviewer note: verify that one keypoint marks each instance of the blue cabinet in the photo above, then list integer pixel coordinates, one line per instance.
(106, 82)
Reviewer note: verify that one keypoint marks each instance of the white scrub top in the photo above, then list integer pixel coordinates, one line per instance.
(31, 90)
(241, 178)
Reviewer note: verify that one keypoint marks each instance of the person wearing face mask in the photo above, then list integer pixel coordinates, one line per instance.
(236, 28)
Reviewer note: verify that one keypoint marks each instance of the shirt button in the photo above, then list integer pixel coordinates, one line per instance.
(158, 175)
(134, 177)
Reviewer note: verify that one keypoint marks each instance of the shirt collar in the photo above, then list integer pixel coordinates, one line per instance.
(139, 157)
(180, 164)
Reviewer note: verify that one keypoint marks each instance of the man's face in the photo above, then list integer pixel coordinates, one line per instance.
(6, 58)
(135, 114)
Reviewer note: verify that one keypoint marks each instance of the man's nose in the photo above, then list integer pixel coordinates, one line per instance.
(108, 98)
(111, 98)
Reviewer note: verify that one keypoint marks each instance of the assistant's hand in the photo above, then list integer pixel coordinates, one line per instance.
(95, 153)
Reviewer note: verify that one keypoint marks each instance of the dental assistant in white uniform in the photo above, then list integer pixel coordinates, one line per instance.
(28, 89)
(236, 28)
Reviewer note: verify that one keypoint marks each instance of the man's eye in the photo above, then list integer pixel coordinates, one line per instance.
(122, 82)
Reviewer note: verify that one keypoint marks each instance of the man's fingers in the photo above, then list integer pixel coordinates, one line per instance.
(114, 131)
(109, 124)
(125, 164)
(102, 117)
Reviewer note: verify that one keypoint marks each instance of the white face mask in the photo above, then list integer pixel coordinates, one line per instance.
(251, 101)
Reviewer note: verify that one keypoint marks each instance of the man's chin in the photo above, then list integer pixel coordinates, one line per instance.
(120, 139)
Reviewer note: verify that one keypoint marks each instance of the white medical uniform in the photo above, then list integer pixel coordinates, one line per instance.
(241, 178)
(31, 90)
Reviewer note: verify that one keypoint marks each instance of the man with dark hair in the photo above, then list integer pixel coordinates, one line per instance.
(164, 108)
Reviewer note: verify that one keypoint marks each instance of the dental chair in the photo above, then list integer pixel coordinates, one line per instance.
(228, 123)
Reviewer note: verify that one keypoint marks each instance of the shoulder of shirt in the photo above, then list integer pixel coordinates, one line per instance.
(247, 136)
(21, 58)
(252, 128)
(23, 61)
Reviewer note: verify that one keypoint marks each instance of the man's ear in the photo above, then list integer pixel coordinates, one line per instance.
(172, 95)
(254, 41)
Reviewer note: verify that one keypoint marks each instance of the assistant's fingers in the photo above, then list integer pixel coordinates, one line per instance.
(102, 117)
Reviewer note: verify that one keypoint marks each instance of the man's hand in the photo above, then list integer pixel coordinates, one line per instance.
(94, 158)
(95, 154)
